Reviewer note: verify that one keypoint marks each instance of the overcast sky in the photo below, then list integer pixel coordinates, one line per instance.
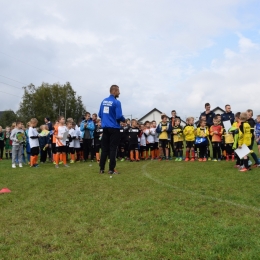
(164, 54)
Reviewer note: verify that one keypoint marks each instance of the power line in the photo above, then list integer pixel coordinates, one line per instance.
(10, 85)
(38, 68)
(13, 80)
(9, 94)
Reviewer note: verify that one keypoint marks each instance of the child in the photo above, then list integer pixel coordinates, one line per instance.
(53, 145)
(70, 142)
(2, 137)
(235, 131)
(61, 143)
(18, 139)
(97, 138)
(77, 141)
(149, 133)
(142, 138)
(156, 139)
(177, 133)
(8, 143)
(133, 133)
(203, 132)
(251, 122)
(216, 131)
(229, 141)
(27, 145)
(257, 132)
(189, 133)
(244, 137)
(164, 130)
(34, 142)
(44, 142)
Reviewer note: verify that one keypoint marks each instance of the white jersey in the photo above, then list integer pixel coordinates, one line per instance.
(72, 133)
(156, 136)
(150, 133)
(143, 140)
(61, 131)
(34, 142)
(77, 140)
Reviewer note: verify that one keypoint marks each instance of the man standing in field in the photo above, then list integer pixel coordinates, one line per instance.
(111, 115)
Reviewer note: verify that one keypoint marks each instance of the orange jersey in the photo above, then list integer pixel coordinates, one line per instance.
(216, 137)
(55, 133)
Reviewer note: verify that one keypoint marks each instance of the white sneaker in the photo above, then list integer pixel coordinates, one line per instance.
(20, 165)
(13, 165)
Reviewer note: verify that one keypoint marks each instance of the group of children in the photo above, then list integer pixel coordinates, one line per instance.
(138, 141)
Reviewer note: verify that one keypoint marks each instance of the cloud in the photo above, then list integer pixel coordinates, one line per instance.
(150, 49)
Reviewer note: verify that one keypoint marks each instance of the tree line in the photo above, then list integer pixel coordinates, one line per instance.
(47, 100)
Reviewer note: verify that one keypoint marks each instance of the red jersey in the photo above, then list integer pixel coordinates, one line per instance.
(216, 137)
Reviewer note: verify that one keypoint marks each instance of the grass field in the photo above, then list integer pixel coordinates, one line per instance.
(152, 210)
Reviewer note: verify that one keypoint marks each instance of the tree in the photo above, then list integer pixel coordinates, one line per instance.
(50, 101)
(7, 118)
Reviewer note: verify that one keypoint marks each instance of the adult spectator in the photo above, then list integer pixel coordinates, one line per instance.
(228, 115)
(111, 115)
(87, 128)
(48, 123)
(209, 115)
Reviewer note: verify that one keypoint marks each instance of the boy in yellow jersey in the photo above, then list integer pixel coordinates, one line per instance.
(203, 132)
(164, 130)
(244, 137)
(177, 134)
(189, 134)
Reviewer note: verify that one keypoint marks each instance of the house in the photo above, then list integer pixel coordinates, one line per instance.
(155, 114)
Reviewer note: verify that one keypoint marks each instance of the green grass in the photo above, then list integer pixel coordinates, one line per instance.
(152, 210)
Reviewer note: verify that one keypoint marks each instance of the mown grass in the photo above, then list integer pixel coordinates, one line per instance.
(152, 210)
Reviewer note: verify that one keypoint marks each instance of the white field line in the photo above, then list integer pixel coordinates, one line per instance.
(242, 206)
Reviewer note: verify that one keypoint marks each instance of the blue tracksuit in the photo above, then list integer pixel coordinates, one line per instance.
(111, 113)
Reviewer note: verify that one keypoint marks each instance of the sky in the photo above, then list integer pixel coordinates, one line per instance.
(165, 54)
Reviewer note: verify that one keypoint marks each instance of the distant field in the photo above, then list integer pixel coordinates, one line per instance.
(152, 210)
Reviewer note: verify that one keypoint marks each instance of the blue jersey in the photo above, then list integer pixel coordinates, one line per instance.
(111, 113)
(257, 130)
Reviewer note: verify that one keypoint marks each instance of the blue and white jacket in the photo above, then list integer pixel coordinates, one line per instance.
(111, 113)
(90, 127)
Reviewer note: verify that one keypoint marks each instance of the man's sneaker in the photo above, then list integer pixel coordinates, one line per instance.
(122, 160)
(254, 165)
(205, 159)
(56, 166)
(187, 159)
(180, 159)
(214, 160)
(113, 172)
(13, 165)
(20, 165)
(101, 172)
(192, 160)
(66, 165)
